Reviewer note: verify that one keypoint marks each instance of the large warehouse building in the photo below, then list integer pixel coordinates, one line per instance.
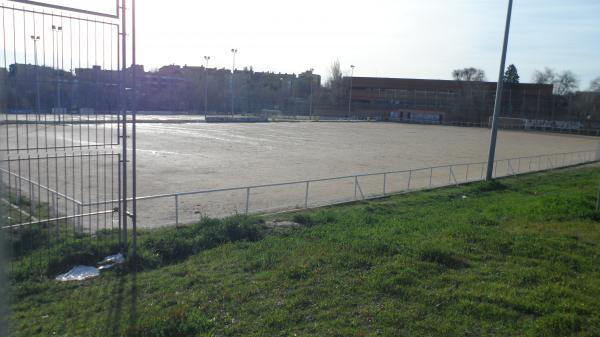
(444, 100)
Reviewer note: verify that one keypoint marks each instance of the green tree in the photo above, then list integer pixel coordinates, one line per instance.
(511, 75)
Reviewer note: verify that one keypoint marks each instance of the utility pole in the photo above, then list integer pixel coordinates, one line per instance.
(207, 58)
(498, 103)
(233, 51)
(350, 95)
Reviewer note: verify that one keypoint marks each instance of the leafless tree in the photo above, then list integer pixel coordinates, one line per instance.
(547, 76)
(566, 83)
(469, 74)
(595, 85)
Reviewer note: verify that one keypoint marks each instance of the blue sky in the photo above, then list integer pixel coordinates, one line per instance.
(391, 38)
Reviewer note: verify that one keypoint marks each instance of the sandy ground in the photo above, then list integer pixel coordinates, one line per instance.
(197, 156)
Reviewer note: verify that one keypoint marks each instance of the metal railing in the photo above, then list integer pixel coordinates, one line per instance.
(185, 207)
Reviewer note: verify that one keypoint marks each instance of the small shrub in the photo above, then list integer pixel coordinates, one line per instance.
(304, 219)
(178, 244)
(488, 186)
(28, 239)
(178, 322)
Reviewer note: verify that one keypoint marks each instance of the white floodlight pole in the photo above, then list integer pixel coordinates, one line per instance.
(498, 103)
(207, 58)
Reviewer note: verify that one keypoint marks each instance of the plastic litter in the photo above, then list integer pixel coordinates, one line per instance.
(111, 261)
(114, 259)
(82, 273)
(79, 273)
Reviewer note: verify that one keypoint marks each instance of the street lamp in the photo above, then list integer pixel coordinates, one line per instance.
(36, 39)
(350, 95)
(233, 51)
(207, 58)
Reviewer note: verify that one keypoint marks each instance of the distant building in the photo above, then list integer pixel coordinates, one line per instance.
(445, 100)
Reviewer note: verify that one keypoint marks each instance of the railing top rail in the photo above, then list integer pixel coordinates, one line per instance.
(43, 187)
(241, 188)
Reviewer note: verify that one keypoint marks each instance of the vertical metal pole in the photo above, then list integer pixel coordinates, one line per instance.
(247, 199)
(430, 176)
(467, 174)
(133, 131)
(384, 182)
(409, 178)
(79, 217)
(495, 166)
(176, 210)
(207, 58)
(306, 195)
(498, 103)
(355, 186)
(124, 128)
(598, 200)
(310, 106)
(234, 51)
(350, 94)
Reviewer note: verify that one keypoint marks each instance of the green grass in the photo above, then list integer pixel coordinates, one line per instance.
(518, 258)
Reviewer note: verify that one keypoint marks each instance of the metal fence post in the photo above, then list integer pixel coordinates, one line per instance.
(306, 195)
(409, 178)
(355, 187)
(467, 174)
(176, 210)
(430, 176)
(79, 228)
(384, 182)
(247, 199)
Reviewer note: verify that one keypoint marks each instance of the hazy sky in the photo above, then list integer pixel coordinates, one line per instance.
(388, 38)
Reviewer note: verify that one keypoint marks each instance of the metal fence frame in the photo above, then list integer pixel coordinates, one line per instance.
(513, 167)
(109, 48)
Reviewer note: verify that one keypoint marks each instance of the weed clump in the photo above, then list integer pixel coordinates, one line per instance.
(443, 258)
(179, 322)
(178, 244)
(303, 219)
(489, 186)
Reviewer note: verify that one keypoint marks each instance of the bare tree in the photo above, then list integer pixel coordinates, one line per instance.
(566, 83)
(469, 74)
(595, 85)
(548, 76)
